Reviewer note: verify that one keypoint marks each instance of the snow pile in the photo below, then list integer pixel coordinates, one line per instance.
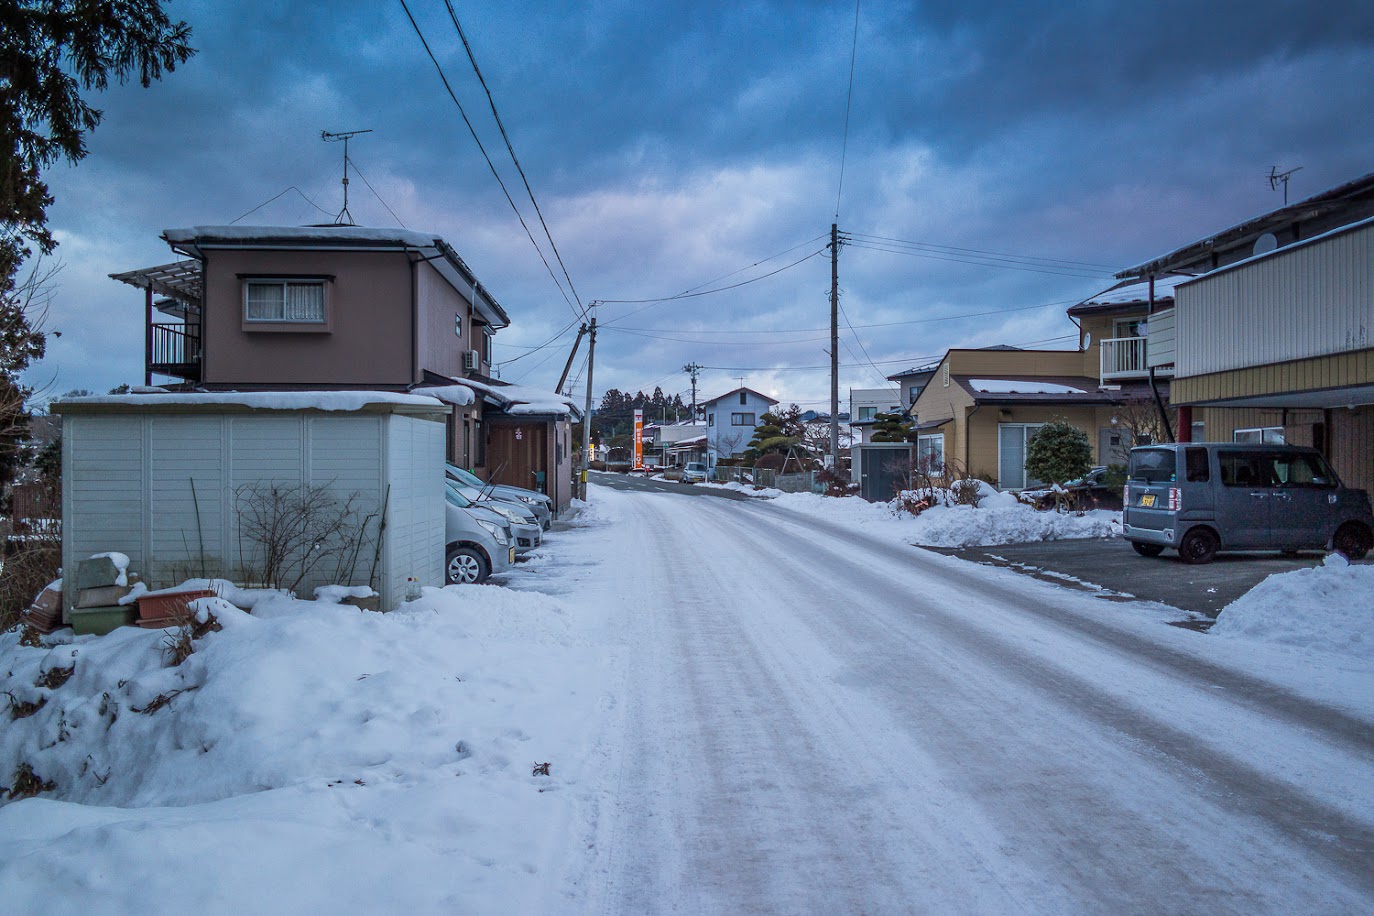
(998, 519)
(345, 760)
(1330, 608)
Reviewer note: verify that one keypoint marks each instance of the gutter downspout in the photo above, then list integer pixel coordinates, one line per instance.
(1163, 412)
(414, 321)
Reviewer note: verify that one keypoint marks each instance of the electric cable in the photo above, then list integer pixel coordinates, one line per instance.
(472, 130)
(848, 102)
(398, 220)
(282, 194)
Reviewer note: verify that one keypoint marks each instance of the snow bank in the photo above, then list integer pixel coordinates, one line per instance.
(1330, 608)
(998, 519)
(345, 760)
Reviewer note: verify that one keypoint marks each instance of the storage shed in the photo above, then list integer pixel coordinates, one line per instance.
(186, 485)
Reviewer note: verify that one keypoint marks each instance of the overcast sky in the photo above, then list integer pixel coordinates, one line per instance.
(671, 145)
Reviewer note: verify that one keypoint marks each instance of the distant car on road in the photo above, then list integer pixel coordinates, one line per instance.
(695, 472)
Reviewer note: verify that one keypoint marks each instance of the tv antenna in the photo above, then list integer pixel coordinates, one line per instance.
(344, 218)
(1275, 176)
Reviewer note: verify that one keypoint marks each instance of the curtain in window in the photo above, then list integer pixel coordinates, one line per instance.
(304, 302)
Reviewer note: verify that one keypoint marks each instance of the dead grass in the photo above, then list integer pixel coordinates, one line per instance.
(55, 677)
(26, 783)
(22, 709)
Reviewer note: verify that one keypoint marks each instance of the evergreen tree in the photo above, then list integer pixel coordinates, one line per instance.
(892, 427)
(778, 431)
(1058, 452)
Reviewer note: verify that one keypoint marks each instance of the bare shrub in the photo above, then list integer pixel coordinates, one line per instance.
(286, 531)
(32, 562)
(181, 645)
(25, 783)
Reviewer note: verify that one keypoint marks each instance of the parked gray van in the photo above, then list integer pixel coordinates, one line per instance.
(1202, 497)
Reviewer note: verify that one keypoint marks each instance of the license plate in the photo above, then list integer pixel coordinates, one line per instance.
(1147, 500)
(511, 557)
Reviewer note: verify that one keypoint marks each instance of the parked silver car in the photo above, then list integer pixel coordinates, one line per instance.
(1199, 498)
(541, 504)
(478, 542)
(695, 472)
(525, 532)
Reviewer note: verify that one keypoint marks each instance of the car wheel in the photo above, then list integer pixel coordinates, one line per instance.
(1353, 540)
(1198, 546)
(465, 566)
(1147, 550)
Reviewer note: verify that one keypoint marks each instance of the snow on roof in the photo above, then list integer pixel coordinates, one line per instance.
(1021, 386)
(262, 400)
(372, 234)
(1124, 293)
(460, 395)
(521, 400)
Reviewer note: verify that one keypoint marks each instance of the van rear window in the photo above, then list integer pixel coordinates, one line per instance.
(1153, 465)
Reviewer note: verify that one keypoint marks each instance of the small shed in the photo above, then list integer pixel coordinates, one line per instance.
(190, 485)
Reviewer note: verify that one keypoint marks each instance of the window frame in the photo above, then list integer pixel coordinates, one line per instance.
(936, 470)
(738, 419)
(323, 282)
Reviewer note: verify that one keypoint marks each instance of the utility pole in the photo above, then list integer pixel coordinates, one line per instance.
(567, 367)
(693, 369)
(587, 414)
(835, 346)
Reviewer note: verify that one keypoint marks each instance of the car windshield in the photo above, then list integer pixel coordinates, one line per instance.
(466, 477)
(1153, 465)
(455, 496)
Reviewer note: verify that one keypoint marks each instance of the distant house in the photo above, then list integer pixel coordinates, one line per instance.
(982, 407)
(273, 308)
(911, 383)
(731, 420)
(867, 403)
(1271, 337)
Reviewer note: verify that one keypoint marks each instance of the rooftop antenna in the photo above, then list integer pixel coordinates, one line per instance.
(1275, 176)
(344, 218)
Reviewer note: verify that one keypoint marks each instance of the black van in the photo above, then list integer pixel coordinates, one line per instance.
(1202, 497)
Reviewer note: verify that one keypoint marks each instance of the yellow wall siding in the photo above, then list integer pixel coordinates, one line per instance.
(1349, 433)
(983, 445)
(1002, 363)
(1320, 373)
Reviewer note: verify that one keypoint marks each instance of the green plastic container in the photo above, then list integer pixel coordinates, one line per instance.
(97, 621)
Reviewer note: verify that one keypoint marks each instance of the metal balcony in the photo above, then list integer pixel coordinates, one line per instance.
(1126, 358)
(174, 349)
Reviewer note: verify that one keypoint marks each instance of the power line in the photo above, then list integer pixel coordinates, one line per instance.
(708, 292)
(907, 360)
(848, 101)
(472, 130)
(552, 340)
(511, 149)
(719, 343)
(985, 262)
(1029, 258)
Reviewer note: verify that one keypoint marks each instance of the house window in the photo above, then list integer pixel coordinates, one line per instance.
(866, 413)
(458, 323)
(1011, 455)
(913, 393)
(930, 454)
(1264, 435)
(284, 301)
(486, 347)
(1129, 327)
(742, 419)
(744, 397)
(710, 419)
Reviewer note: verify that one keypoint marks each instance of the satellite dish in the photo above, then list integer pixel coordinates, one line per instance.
(1087, 339)
(1266, 243)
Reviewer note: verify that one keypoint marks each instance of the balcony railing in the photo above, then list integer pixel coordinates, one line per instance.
(174, 349)
(1125, 357)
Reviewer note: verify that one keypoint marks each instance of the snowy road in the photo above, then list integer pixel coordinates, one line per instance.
(805, 721)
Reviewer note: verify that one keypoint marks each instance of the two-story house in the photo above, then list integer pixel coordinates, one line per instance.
(731, 420)
(867, 403)
(1270, 336)
(911, 383)
(272, 308)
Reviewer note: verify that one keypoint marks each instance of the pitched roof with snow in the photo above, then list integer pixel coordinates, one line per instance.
(758, 394)
(517, 400)
(1127, 295)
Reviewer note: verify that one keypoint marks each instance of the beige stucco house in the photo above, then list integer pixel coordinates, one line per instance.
(273, 308)
(981, 406)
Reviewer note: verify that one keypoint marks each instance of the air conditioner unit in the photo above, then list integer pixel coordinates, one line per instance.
(472, 360)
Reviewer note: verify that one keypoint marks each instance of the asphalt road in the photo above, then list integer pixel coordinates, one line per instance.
(812, 720)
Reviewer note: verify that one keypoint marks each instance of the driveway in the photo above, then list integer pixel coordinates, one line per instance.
(1111, 564)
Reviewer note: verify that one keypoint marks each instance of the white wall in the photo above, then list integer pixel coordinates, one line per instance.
(161, 488)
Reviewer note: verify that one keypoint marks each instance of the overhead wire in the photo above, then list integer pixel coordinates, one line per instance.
(510, 148)
(276, 197)
(1003, 263)
(848, 102)
(495, 174)
(981, 251)
(908, 360)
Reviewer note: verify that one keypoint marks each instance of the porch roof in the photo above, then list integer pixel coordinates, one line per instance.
(1062, 390)
(181, 280)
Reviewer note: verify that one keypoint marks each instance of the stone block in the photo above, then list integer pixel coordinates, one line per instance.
(96, 573)
(104, 596)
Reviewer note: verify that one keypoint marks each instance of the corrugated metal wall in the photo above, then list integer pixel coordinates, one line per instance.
(162, 489)
(1309, 301)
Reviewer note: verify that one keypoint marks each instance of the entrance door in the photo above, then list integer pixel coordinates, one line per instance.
(517, 454)
(1011, 455)
(1111, 446)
